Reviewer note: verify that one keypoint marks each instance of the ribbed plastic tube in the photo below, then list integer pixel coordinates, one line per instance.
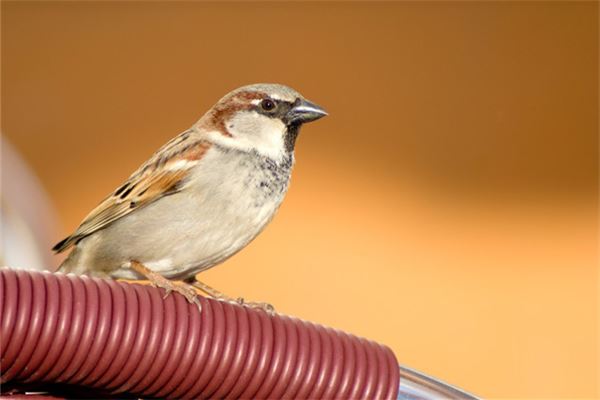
(127, 338)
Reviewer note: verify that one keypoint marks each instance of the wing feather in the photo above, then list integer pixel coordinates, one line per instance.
(164, 174)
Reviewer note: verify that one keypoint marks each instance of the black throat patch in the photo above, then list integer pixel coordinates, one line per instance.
(290, 137)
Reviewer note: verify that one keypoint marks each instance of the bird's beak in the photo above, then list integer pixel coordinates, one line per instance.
(304, 111)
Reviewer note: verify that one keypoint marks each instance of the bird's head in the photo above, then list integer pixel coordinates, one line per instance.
(264, 117)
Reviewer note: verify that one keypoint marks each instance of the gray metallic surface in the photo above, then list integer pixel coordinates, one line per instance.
(417, 386)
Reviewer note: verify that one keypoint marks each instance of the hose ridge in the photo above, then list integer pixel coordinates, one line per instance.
(116, 337)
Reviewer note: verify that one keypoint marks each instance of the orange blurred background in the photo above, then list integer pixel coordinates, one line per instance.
(447, 206)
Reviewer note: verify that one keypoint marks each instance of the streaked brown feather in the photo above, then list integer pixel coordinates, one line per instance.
(163, 174)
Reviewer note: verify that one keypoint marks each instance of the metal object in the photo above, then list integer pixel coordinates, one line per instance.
(415, 385)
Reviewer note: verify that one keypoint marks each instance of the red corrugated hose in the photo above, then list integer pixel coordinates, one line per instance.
(94, 336)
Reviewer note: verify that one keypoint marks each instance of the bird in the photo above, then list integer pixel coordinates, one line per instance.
(200, 198)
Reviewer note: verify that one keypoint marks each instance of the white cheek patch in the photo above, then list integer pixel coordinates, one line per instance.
(253, 131)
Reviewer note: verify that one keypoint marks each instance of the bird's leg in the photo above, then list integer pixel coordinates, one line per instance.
(158, 280)
(215, 294)
(212, 292)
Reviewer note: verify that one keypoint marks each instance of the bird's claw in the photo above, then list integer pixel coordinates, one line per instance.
(266, 307)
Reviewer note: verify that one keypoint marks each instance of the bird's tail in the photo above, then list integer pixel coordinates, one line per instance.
(64, 244)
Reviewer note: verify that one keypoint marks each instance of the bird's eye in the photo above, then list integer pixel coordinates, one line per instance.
(267, 104)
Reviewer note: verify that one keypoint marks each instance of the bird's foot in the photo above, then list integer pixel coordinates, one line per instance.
(183, 289)
(217, 295)
(266, 307)
(158, 280)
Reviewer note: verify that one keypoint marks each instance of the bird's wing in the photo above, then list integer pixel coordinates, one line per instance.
(163, 174)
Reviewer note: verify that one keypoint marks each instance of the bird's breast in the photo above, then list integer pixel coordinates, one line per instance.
(240, 183)
(235, 196)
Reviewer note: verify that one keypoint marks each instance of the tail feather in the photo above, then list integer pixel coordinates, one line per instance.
(64, 244)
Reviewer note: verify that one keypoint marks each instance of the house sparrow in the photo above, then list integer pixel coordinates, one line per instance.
(200, 198)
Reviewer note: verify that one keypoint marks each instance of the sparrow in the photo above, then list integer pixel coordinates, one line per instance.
(200, 198)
